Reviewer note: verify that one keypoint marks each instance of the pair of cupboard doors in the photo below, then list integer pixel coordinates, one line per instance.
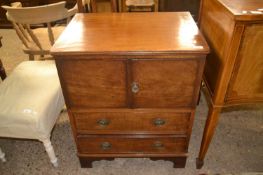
(164, 82)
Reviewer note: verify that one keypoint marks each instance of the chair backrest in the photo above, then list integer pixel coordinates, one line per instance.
(23, 17)
(142, 5)
(38, 14)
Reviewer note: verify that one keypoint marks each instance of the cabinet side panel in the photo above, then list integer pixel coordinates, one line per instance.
(217, 27)
(247, 79)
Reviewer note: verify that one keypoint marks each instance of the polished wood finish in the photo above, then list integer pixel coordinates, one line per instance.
(175, 90)
(100, 88)
(233, 72)
(127, 37)
(130, 88)
(2, 69)
(132, 122)
(131, 144)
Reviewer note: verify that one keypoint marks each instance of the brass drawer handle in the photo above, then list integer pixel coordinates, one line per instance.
(105, 145)
(103, 122)
(158, 145)
(159, 122)
(135, 87)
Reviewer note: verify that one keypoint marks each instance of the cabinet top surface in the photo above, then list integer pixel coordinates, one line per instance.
(134, 33)
(245, 9)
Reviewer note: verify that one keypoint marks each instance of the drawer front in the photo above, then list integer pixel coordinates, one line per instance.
(165, 84)
(142, 144)
(134, 122)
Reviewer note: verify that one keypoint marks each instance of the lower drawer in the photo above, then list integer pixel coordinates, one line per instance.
(132, 122)
(126, 144)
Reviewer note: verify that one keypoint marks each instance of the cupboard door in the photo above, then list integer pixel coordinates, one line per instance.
(246, 83)
(93, 83)
(164, 83)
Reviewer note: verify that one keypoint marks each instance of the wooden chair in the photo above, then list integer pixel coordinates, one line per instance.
(38, 41)
(113, 3)
(31, 101)
(141, 5)
(2, 71)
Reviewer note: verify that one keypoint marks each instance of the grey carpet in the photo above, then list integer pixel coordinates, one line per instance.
(237, 146)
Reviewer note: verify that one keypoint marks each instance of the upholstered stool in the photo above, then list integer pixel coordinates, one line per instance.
(31, 101)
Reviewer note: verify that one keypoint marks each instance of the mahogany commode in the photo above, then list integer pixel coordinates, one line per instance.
(131, 86)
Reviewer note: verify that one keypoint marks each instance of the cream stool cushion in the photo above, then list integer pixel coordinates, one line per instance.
(30, 101)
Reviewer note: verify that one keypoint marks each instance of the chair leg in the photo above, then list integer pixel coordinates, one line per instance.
(31, 57)
(2, 156)
(50, 151)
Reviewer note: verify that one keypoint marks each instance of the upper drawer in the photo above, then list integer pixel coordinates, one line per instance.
(166, 84)
(132, 123)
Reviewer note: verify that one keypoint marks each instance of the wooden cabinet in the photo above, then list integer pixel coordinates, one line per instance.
(180, 5)
(4, 23)
(233, 73)
(130, 88)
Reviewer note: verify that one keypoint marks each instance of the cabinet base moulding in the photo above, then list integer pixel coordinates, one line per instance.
(178, 162)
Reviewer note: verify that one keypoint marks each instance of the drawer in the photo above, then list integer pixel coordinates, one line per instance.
(142, 144)
(132, 123)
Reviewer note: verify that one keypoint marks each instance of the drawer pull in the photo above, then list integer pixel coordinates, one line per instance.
(158, 145)
(159, 122)
(103, 122)
(135, 87)
(105, 145)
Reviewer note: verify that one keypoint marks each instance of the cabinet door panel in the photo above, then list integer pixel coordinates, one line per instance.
(164, 84)
(94, 84)
(246, 83)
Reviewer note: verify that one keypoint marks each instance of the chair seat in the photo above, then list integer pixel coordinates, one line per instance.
(137, 3)
(42, 34)
(30, 100)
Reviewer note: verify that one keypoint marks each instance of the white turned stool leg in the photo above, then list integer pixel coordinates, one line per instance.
(2, 156)
(50, 152)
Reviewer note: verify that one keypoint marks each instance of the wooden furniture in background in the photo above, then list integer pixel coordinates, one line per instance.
(180, 5)
(4, 23)
(2, 76)
(113, 4)
(38, 41)
(2, 69)
(131, 94)
(140, 5)
(234, 70)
